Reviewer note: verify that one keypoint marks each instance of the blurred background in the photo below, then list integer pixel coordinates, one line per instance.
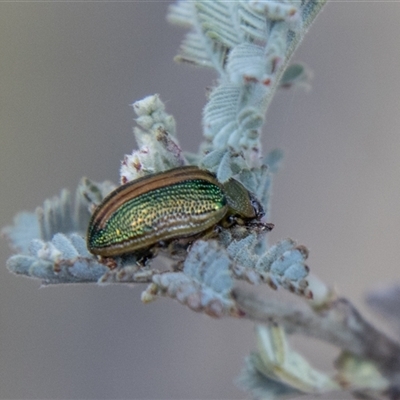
(68, 74)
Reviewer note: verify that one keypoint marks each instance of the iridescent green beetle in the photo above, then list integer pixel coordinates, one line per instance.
(185, 202)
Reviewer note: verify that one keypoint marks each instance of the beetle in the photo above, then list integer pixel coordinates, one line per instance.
(182, 203)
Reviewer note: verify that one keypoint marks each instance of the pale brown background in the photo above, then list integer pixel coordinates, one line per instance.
(68, 72)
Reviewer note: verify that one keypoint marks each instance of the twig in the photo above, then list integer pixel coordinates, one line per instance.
(339, 324)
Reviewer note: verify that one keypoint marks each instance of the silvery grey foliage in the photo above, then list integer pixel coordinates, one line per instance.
(296, 75)
(282, 265)
(276, 370)
(25, 228)
(386, 301)
(50, 241)
(249, 43)
(159, 149)
(369, 362)
(205, 284)
(62, 260)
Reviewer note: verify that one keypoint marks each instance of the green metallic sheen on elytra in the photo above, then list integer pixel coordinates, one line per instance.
(179, 203)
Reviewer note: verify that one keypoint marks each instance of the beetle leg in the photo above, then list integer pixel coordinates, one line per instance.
(177, 249)
(232, 220)
(162, 244)
(229, 221)
(144, 257)
(261, 226)
(210, 233)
